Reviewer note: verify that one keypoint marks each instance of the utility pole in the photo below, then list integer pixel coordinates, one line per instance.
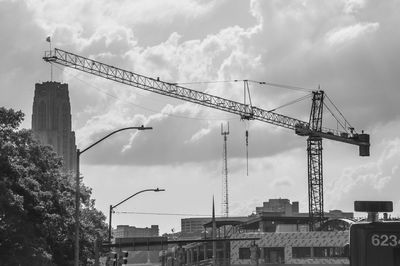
(225, 194)
(214, 236)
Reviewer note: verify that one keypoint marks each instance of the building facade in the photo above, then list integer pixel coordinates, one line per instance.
(293, 248)
(141, 251)
(126, 231)
(194, 225)
(51, 120)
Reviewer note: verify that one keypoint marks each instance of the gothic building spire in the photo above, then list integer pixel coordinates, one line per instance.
(51, 120)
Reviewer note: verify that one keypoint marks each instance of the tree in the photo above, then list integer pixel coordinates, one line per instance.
(37, 202)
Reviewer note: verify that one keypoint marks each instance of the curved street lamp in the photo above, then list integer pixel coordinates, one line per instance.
(77, 186)
(116, 205)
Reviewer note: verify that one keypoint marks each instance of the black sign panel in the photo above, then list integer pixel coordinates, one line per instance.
(375, 244)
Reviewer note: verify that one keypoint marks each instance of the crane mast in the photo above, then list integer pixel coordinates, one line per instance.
(314, 160)
(313, 129)
(225, 190)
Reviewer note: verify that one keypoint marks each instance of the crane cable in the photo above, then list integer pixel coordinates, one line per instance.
(136, 105)
(290, 87)
(340, 113)
(247, 152)
(291, 102)
(246, 91)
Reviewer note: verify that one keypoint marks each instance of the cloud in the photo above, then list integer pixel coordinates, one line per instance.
(199, 134)
(349, 33)
(22, 44)
(177, 136)
(126, 12)
(375, 179)
(353, 6)
(253, 49)
(282, 182)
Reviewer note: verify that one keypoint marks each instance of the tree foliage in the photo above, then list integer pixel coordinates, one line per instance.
(37, 202)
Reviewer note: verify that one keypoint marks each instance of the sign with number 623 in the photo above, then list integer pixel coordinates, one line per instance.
(384, 239)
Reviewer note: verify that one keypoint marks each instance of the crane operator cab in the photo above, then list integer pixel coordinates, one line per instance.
(375, 243)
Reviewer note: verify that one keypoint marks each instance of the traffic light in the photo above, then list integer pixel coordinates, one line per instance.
(125, 257)
(114, 258)
(374, 243)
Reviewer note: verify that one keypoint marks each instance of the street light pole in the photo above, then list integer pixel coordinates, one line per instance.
(116, 205)
(77, 204)
(77, 186)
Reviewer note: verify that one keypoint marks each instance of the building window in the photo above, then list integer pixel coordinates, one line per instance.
(244, 253)
(274, 255)
(323, 252)
(301, 252)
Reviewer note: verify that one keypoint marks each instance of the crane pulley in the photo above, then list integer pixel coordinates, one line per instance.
(313, 129)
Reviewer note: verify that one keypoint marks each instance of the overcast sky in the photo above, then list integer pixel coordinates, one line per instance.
(350, 48)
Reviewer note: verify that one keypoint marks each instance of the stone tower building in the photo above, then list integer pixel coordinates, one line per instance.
(51, 120)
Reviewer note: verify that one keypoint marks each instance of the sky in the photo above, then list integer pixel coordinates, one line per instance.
(348, 48)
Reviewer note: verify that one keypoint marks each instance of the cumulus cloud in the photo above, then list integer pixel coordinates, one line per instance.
(349, 33)
(247, 51)
(282, 182)
(22, 44)
(375, 179)
(126, 12)
(198, 135)
(353, 6)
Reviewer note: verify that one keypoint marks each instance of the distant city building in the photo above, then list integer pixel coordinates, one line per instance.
(126, 231)
(51, 120)
(193, 228)
(333, 214)
(279, 206)
(277, 233)
(194, 225)
(283, 207)
(143, 252)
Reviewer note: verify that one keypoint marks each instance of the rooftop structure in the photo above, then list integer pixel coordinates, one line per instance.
(281, 206)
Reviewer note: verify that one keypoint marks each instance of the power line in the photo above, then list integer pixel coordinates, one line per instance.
(166, 214)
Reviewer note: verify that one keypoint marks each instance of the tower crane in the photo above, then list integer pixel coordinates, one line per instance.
(312, 129)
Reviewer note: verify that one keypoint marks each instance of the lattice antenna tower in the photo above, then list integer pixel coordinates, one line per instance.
(225, 194)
